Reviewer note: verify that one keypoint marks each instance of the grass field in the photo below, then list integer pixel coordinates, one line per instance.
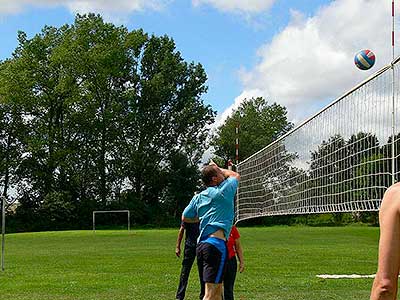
(281, 264)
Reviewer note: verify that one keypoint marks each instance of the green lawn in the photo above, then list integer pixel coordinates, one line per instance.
(281, 263)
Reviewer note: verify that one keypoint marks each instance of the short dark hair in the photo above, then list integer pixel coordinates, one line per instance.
(207, 173)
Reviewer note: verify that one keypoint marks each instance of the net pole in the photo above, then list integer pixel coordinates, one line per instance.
(129, 220)
(3, 230)
(237, 145)
(393, 29)
(237, 166)
(393, 99)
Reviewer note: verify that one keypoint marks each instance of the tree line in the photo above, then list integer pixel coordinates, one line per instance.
(93, 116)
(97, 117)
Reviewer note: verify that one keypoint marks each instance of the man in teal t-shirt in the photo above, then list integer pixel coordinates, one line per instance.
(214, 208)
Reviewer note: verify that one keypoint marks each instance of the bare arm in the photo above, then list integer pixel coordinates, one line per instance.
(226, 172)
(230, 173)
(385, 283)
(179, 240)
(239, 253)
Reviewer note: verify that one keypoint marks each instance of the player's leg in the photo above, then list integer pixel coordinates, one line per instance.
(200, 267)
(187, 262)
(385, 283)
(212, 253)
(229, 278)
(213, 291)
(201, 280)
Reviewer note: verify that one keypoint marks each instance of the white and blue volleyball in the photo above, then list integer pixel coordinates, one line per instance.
(364, 59)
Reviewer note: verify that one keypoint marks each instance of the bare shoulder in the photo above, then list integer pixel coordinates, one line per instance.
(392, 197)
(393, 191)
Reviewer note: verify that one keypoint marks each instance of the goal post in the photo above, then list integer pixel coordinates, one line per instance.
(342, 159)
(111, 211)
(3, 229)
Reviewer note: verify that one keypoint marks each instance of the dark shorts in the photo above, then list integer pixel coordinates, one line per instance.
(211, 258)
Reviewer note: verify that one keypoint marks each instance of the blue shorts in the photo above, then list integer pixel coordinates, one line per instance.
(211, 259)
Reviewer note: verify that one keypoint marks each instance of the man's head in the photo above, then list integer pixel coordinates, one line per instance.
(211, 175)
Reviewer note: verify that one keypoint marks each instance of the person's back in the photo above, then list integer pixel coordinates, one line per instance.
(215, 208)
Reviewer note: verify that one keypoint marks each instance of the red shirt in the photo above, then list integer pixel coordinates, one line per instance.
(231, 242)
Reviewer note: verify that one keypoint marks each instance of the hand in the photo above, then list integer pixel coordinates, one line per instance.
(212, 163)
(241, 267)
(178, 251)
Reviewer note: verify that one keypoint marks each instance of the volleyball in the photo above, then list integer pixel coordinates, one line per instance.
(364, 59)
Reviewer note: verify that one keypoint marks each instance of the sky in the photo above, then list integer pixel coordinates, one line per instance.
(298, 53)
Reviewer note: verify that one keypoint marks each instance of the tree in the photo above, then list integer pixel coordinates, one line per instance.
(105, 110)
(180, 173)
(259, 124)
(45, 89)
(12, 131)
(343, 173)
(164, 112)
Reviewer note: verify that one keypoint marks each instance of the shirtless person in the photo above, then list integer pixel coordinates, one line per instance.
(386, 279)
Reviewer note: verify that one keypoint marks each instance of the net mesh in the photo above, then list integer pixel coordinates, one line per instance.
(340, 160)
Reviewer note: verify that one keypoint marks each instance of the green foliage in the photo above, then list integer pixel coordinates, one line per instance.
(12, 130)
(95, 114)
(259, 124)
(344, 174)
(180, 175)
(355, 170)
(59, 209)
(318, 220)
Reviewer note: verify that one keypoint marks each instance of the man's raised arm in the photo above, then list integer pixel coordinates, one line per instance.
(226, 172)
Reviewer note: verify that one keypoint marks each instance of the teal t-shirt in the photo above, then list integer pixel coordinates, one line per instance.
(214, 207)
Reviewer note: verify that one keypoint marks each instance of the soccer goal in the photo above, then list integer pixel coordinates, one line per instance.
(340, 160)
(109, 212)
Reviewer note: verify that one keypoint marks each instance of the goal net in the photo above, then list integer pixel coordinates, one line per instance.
(340, 160)
(112, 212)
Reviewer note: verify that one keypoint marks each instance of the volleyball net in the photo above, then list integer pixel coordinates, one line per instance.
(340, 160)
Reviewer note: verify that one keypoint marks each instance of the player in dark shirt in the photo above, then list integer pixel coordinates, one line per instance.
(191, 231)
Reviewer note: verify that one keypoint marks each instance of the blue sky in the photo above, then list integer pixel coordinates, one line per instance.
(297, 53)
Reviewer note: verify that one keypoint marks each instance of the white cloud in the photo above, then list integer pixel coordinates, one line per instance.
(249, 6)
(311, 60)
(119, 6)
(248, 94)
(116, 10)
